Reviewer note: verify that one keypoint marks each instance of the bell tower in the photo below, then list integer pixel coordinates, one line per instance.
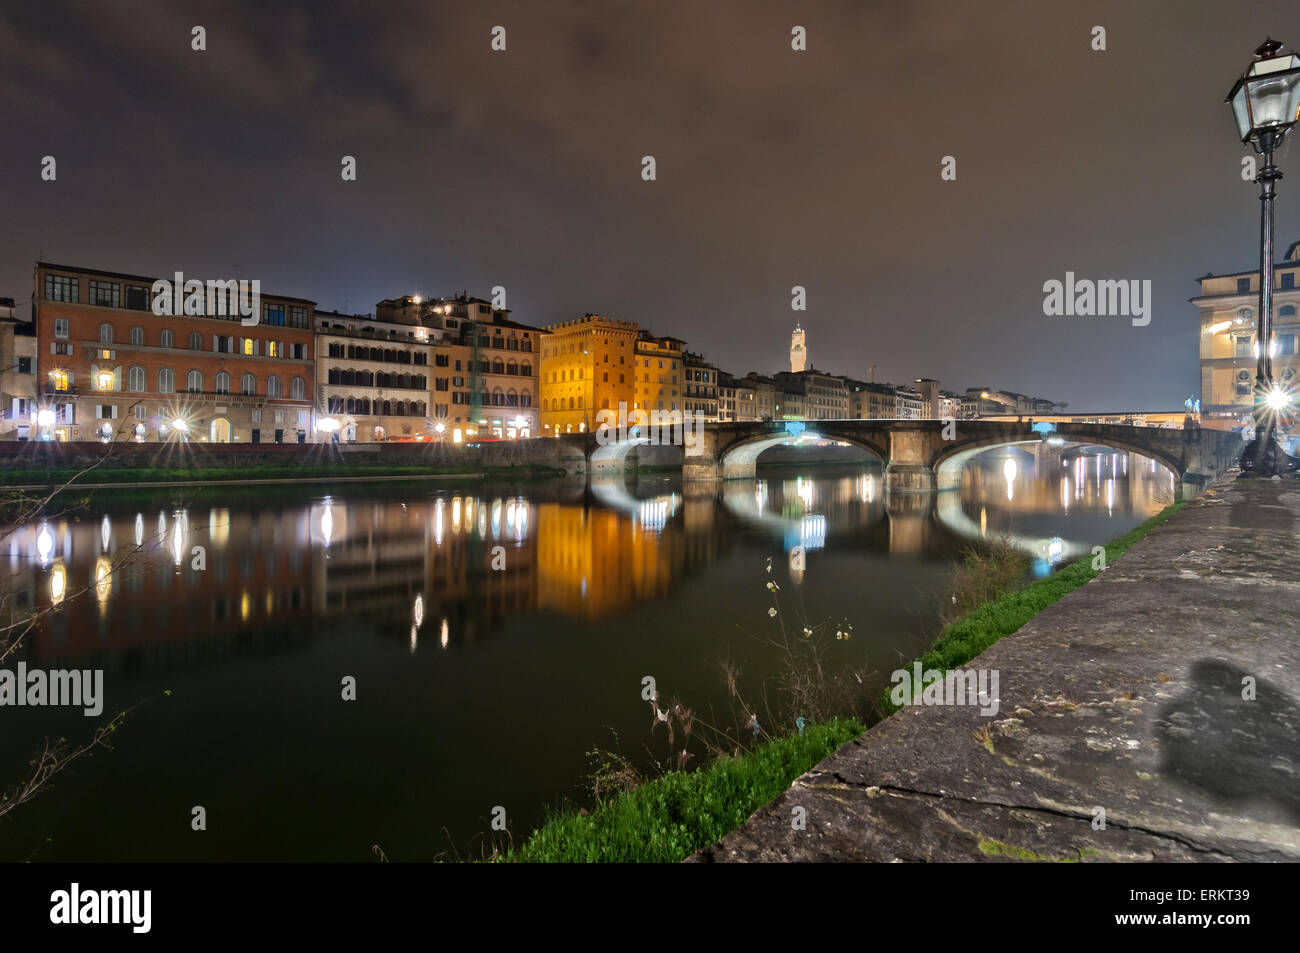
(798, 353)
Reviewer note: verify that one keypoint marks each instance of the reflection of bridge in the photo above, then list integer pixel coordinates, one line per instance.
(915, 453)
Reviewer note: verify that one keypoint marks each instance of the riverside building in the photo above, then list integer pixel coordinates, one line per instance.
(108, 365)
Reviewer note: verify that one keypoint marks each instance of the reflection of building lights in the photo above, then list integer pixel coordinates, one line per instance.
(58, 583)
(496, 519)
(984, 521)
(1110, 496)
(438, 507)
(1054, 548)
(178, 542)
(455, 514)
(105, 533)
(417, 610)
(812, 532)
(245, 607)
(139, 529)
(1065, 493)
(482, 522)
(444, 637)
(44, 544)
(1009, 469)
(327, 524)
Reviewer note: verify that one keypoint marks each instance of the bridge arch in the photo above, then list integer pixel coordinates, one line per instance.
(950, 461)
(739, 460)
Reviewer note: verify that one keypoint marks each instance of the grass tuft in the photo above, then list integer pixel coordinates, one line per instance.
(669, 818)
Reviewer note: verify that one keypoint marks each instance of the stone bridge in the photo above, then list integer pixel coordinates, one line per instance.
(918, 455)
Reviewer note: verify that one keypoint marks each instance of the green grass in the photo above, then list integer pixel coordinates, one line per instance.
(994, 620)
(667, 819)
(238, 474)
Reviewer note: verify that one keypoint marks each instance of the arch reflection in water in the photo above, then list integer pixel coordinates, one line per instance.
(1090, 495)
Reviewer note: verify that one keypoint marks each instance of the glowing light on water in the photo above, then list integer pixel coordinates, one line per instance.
(1110, 497)
(105, 533)
(1065, 493)
(455, 514)
(178, 542)
(984, 521)
(44, 544)
(58, 583)
(438, 509)
(139, 529)
(327, 524)
(103, 580)
(444, 636)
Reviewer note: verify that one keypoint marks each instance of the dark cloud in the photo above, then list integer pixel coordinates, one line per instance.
(775, 168)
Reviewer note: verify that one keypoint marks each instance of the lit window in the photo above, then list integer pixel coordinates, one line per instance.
(60, 379)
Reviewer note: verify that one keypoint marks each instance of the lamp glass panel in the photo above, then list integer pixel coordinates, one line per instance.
(1274, 98)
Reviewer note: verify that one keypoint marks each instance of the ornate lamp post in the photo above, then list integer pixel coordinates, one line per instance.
(1266, 103)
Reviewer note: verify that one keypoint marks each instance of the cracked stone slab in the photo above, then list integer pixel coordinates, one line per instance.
(1123, 701)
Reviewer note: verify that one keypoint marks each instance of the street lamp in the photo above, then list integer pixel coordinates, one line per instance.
(1266, 103)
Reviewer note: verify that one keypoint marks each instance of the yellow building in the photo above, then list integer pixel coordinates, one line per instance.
(1229, 347)
(658, 380)
(587, 365)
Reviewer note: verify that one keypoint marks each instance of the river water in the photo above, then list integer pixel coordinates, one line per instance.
(482, 675)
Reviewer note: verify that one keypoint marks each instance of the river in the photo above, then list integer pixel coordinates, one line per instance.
(483, 675)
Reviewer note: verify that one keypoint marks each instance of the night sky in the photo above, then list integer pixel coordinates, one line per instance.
(775, 168)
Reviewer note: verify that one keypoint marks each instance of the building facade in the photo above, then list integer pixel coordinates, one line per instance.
(588, 365)
(508, 367)
(765, 395)
(373, 378)
(700, 394)
(1229, 341)
(17, 374)
(108, 365)
(658, 373)
(820, 396)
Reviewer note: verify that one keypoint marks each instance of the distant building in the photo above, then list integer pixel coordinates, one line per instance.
(983, 402)
(588, 365)
(931, 404)
(373, 376)
(818, 396)
(870, 401)
(508, 367)
(658, 373)
(765, 395)
(798, 352)
(737, 400)
(1229, 344)
(700, 395)
(17, 374)
(908, 403)
(107, 364)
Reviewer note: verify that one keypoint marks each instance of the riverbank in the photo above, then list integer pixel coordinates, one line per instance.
(1150, 715)
(666, 819)
(136, 478)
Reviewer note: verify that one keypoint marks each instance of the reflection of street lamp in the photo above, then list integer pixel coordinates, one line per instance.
(1265, 103)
